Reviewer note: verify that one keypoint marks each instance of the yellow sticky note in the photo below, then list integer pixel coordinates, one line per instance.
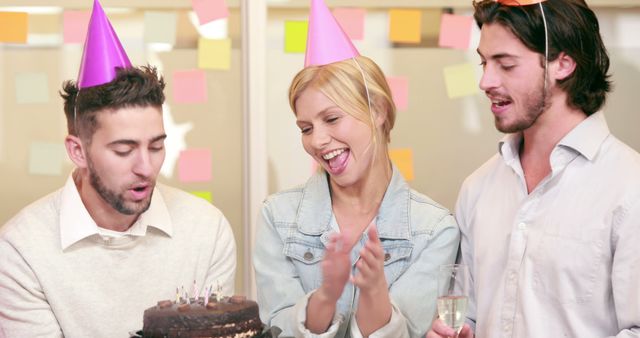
(403, 159)
(214, 53)
(295, 36)
(460, 80)
(203, 194)
(405, 25)
(13, 27)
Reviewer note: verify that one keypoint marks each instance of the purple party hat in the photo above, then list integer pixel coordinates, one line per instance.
(326, 41)
(102, 51)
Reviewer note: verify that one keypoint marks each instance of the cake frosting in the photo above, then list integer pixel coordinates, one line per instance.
(230, 317)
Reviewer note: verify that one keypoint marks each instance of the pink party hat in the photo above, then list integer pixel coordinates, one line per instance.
(102, 51)
(326, 41)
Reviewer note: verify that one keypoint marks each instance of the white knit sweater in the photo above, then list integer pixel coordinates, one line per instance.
(97, 287)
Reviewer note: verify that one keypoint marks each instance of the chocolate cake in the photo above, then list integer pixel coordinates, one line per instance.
(233, 317)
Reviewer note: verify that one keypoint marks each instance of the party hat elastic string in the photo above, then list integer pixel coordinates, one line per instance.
(546, 47)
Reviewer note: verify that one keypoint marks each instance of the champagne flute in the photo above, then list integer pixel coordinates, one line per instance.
(453, 294)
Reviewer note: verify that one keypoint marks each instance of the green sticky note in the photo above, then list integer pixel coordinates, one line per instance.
(295, 36)
(32, 88)
(160, 27)
(46, 158)
(203, 194)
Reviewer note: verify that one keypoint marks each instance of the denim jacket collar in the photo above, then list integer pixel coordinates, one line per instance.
(315, 212)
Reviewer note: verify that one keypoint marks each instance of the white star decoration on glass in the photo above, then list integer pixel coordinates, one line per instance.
(175, 142)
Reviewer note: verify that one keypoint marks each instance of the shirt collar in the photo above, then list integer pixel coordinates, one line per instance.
(585, 138)
(76, 223)
(315, 212)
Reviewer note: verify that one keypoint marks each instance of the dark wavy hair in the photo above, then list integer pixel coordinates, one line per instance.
(132, 87)
(573, 29)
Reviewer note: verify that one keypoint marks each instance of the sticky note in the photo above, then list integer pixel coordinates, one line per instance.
(75, 24)
(460, 80)
(189, 86)
(32, 88)
(295, 36)
(455, 31)
(14, 27)
(160, 27)
(400, 91)
(405, 25)
(194, 165)
(214, 53)
(203, 194)
(352, 21)
(209, 10)
(46, 158)
(403, 159)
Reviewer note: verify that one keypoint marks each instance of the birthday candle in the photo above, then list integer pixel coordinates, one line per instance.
(177, 296)
(218, 291)
(195, 290)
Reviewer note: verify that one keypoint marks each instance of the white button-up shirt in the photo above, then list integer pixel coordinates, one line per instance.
(561, 261)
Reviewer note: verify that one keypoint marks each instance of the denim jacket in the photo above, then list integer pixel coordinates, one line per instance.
(417, 235)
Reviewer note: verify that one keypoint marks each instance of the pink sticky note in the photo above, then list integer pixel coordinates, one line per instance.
(400, 91)
(189, 86)
(194, 165)
(209, 10)
(75, 26)
(352, 21)
(455, 31)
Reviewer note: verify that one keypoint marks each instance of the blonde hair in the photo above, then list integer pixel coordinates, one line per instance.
(344, 84)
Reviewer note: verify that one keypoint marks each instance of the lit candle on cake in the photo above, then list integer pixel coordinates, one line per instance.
(194, 292)
(218, 292)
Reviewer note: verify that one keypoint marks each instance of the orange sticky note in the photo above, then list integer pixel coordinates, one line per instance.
(403, 159)
(13, 27)
(460, 80)
(203, 194)
(75, 26)
(189, 86)
(400, 91)
(352, 21)
(194, 165)
(209, 10)
(405, 25)
(455, 31)
(214, 53)
(295, 36)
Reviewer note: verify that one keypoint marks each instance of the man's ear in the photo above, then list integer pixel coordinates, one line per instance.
(75, 150)
(565, 66)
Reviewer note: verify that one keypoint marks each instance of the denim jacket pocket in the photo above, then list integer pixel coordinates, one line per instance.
(306, 255)
(397, 256)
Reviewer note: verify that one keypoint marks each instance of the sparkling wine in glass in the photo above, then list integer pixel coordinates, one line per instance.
(453, 294)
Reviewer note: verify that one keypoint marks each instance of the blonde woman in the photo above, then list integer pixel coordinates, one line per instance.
(354, 251)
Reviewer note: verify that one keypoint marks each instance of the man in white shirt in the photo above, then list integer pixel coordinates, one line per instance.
(88, 259)
(549, 224)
